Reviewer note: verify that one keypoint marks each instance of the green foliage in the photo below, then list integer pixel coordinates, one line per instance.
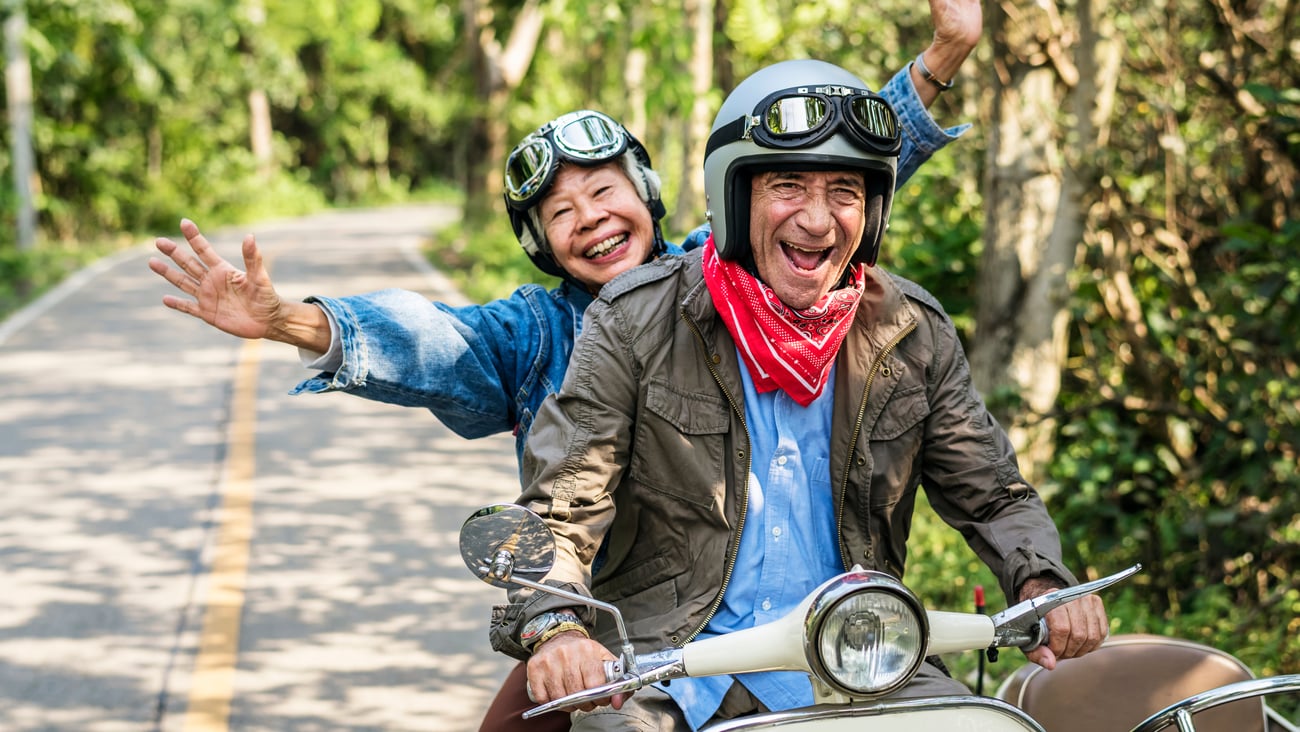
(25, 276)
(486, 263)
(1180, 412)
(934, 234)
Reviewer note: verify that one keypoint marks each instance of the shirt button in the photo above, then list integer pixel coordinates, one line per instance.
(776, 531)
(782, 460)
(767, 604)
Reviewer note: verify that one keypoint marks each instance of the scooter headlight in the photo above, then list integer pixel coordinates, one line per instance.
(866, 634)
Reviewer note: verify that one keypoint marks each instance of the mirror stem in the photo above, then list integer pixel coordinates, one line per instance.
(629, 654)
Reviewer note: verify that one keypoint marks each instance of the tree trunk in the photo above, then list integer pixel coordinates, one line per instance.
(690, 197)
(497, 72)
(259, 130)
(636, 117)
(1034, 224)
(18, 85)
(259, 106)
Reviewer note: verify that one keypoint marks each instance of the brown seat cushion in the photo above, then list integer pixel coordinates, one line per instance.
(1127, 680)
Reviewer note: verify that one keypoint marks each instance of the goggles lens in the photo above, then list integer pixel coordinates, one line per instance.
(527, 168)
(804, 116)
(592, 136)
(875, 118)
(795, 115)
(583, 137)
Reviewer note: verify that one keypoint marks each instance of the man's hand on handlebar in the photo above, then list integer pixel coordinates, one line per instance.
(1073, 630)
(567, 664)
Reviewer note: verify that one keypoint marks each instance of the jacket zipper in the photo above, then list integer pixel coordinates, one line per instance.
(857, 431)
(744, 494)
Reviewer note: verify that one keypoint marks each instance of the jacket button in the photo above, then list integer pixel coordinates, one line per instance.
(740, 454)
(675, 639)
(717, 359)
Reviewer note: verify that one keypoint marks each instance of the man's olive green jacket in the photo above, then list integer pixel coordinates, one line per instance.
(644, 452)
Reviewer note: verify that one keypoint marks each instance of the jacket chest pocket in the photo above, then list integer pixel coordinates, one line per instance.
(678, 446)
(896, 440)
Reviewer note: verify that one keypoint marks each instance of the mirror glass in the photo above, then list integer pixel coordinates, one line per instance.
(511, 532)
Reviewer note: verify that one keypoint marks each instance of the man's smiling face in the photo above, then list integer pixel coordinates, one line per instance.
(804, 228)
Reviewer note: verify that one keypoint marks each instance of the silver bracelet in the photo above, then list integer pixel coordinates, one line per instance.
(943, 86)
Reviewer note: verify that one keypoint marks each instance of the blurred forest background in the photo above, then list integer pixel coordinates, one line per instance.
(1116, 237)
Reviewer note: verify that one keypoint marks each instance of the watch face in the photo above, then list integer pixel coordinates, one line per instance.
(532, 629)
(539, 625)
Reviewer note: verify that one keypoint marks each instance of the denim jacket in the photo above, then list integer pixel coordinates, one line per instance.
(484, 369)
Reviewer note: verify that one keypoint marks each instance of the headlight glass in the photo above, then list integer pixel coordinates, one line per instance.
(871, 642)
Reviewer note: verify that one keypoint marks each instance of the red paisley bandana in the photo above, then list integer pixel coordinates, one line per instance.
(783, 348)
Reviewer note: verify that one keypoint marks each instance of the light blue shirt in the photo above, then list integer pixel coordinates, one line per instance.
(788, 546)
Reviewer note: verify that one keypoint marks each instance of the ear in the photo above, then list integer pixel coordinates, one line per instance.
(876, 213)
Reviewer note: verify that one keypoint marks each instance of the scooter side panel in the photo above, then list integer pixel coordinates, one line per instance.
(953, 714)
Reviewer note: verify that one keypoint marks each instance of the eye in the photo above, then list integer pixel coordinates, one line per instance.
(848, 194)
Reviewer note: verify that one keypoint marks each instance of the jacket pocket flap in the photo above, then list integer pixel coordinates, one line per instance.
(645, 574)
(692, 414)
(905, 409)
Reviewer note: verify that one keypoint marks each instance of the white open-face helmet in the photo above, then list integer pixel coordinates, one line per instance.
(799, 115)
(586, 138)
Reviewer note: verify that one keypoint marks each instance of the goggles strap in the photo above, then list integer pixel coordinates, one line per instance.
(727, 134)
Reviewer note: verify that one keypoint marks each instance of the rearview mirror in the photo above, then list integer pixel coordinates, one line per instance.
(505, 541)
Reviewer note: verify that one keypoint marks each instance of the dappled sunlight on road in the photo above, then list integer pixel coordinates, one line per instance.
(356, 610)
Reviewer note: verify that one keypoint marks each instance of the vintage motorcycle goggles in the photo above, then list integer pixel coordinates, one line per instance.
(585, 137)
(804, 116)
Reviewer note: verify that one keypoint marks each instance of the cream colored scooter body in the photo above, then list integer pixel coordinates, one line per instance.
(504, 544)
(950, 713)
(779, 646)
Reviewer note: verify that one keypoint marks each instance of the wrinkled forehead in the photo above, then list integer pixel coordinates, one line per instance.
(855, 178)
(583, 182)
(571, 176)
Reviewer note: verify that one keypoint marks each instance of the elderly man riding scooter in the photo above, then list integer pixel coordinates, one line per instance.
(741, 423)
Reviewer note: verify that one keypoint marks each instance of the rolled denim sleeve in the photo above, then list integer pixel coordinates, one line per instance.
(400, 348)
(922, 135)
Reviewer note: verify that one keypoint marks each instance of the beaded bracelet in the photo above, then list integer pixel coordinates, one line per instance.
(560, 628)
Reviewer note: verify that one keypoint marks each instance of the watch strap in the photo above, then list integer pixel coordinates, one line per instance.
(547, 626)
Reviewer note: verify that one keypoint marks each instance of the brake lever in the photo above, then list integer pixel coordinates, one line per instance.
(1024, 625)
(672, 669)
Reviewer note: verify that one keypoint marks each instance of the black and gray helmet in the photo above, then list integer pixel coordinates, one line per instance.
(799, 115)
(586, 138)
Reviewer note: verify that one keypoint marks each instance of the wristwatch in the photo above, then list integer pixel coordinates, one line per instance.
(548, 625)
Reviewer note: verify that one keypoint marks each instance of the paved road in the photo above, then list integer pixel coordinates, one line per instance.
(185, 547)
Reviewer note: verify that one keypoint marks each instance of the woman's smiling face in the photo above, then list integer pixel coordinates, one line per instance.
(596, 224)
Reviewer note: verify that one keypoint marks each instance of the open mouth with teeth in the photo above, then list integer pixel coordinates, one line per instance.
(806, 260)
(602, 248)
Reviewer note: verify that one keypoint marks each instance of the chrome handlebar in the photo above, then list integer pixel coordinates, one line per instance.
(1023, 625)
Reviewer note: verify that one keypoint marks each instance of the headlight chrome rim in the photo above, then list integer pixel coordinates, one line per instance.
(832, 597)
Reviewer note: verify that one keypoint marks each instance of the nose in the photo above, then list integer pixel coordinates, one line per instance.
(589, 213)
(815, 215)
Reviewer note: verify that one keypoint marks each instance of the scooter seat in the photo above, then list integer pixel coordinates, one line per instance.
(1127, 680)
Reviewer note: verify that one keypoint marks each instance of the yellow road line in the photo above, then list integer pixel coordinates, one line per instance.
(212, 683)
